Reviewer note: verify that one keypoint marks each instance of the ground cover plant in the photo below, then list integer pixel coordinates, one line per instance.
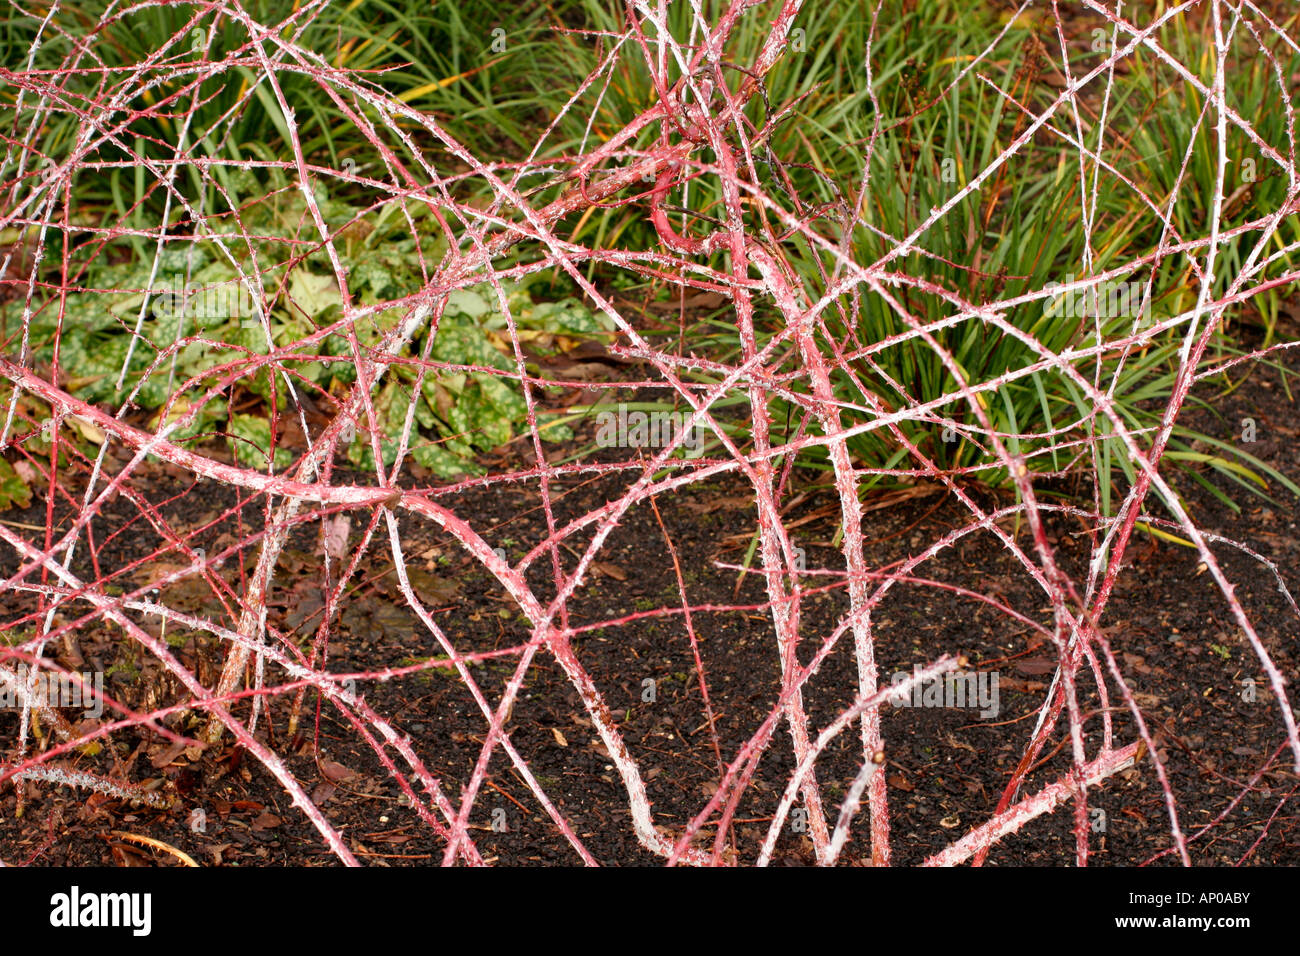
(717, 432)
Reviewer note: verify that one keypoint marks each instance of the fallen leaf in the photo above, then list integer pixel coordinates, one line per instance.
(954, 742)
(14, 491)
(336, 536)
(559, 737)
(166, 755)
(336, 772)
(88, 429)
(322, 793)
(1036, 665)
(1022, 686)
(293, 560)
(216, 852)
(610, 570)
(389, 837)
(124, 857)
(1138, 664)
(428, 587)
(306, 600)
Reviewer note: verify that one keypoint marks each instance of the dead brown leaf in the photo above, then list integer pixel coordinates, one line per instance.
(336, 772)
(322, 793)
(609, 570)
(1036, 665)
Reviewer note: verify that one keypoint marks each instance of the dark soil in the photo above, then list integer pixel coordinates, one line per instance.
(1178, 644)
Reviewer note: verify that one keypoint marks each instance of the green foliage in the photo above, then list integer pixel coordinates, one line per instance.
(443, 59)
(1018, 232)
(190, 332)
(1171, 123)
(14, 492)
(250, 439)
(907, 146)
(816, 87)
(1022, 229)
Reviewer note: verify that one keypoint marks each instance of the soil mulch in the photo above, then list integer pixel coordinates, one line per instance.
(1179, 646)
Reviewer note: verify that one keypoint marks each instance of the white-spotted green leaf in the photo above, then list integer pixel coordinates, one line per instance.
(250, 440)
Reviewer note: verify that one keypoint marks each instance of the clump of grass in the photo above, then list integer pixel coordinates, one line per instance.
(461, 63)
(948, 95)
